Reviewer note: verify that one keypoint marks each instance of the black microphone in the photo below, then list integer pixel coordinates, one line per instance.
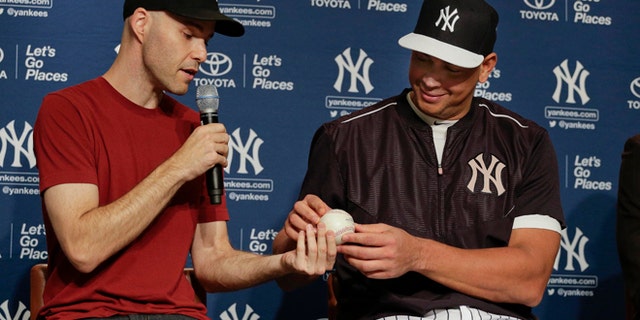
(207, 100)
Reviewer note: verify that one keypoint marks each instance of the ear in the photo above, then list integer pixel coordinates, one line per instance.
(487, 66)
(138, 23)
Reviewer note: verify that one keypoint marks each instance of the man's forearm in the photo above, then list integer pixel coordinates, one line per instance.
(93, 236)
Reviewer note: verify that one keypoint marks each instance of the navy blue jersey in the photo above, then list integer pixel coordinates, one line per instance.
(380, 165)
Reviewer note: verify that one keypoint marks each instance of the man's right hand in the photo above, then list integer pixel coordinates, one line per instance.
(207, 146)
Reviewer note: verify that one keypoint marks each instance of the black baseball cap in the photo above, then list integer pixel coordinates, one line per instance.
(460, 32)
(206, 10)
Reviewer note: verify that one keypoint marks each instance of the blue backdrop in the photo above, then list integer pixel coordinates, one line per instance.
(572, 66)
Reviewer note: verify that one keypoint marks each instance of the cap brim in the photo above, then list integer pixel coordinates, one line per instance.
(441, 50)
(229, 27)
(224, 25)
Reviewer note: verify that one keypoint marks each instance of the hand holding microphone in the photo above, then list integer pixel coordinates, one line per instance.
(207, 100)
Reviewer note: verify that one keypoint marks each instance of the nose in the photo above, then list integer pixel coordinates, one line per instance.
(430, 71)
(200, 52)
(429, 79)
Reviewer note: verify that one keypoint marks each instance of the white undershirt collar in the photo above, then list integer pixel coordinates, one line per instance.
(438, 127)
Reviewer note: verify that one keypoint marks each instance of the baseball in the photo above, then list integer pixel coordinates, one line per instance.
(339, 221)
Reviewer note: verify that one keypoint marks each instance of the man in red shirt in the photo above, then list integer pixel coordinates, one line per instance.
(121, 171)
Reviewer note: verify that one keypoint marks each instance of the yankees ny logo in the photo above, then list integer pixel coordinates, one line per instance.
(576, 82)
(574, 250)
(359, 71)
(232, 314)
(448, 19)
(247, 151)
(22, 313)
(21, 144)
(491, 174)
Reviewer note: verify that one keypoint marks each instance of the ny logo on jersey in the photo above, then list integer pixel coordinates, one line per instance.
(492, 175)
(448, 19)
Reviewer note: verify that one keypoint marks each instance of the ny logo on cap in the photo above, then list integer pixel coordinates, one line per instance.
(448, 19)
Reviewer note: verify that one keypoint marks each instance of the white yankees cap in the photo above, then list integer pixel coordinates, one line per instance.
(460, 32)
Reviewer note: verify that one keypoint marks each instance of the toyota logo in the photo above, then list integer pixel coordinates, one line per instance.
(217, 64)
(539, 4)
(635, 87)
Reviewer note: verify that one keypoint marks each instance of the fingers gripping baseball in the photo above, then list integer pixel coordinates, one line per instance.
(304, 212)
(315, 252)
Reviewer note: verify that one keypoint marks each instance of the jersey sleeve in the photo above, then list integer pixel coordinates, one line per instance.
(62, 144)
(540, 189)
(323, 176)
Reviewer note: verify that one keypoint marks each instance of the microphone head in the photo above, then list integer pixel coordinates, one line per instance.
(207, 98)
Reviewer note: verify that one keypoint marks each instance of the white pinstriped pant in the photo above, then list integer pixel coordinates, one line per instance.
(461, 313)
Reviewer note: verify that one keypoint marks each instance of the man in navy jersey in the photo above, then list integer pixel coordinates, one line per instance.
(628, 223)
(456, 199)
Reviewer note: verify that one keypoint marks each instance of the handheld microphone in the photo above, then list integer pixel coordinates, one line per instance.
(207, 100)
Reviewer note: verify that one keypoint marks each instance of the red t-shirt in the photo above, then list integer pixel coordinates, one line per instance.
(89, 133)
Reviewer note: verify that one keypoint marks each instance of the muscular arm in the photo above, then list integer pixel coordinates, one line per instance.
(517, 273)
(89, 234)
(220, 267)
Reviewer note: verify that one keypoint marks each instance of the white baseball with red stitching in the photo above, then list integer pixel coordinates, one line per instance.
(339, 221)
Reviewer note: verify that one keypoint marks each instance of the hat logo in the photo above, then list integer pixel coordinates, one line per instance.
(448, 19)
